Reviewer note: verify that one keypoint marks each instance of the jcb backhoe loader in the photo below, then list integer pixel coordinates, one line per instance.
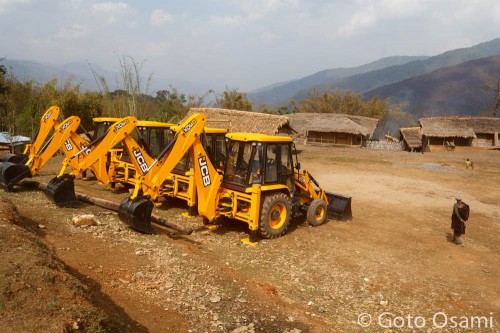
(93, 156)
(259, 185)
(64, 137)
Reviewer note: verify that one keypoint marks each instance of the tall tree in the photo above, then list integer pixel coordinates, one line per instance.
(4, 89)
(326, 101)
(233, 99)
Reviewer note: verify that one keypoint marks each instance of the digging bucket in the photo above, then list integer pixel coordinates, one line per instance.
(137, 214)
(11, 174)
(15, 158)
(339, 206)
(61, 190)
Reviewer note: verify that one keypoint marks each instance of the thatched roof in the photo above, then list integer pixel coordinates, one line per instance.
(333, 122)
(465, 127)
(412, 136)
(244, 121)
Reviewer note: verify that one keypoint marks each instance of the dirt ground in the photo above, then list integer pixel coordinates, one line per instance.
(391, 268)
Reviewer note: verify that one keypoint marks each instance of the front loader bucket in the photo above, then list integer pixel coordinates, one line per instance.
(339, 206)
(137, 214)
(15, 158)
(61, 190)
(11, 174)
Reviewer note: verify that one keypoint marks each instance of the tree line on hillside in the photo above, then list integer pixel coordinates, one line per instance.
(23, 103)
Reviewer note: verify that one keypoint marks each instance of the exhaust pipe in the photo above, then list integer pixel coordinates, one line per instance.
(61, 191)
(11, 174)
(137, 214)
(15, 158)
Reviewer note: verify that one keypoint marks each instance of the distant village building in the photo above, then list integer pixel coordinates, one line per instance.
(460, 131)
(245, 121)
(412, 138)
(8, 142)
(327, 129)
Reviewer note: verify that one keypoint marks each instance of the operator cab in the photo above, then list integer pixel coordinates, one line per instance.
(258, 159)
(213, 140)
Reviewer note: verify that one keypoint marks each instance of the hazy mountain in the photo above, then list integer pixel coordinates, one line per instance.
(77, 72)
(368, 77)
(464, 89)
(280, 92)
(378, 78)
(81, 72)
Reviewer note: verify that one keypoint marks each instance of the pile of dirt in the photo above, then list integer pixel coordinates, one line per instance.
(37, 291)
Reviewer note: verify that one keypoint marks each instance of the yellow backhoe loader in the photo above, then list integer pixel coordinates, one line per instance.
(64, 136)
(139, 144)
(260, 185)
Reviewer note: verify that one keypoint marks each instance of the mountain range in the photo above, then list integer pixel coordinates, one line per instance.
(448, 83)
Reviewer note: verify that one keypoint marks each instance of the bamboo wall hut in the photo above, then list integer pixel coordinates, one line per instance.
(412, 137)
(245, 121)
(328, 129)
(460, 131)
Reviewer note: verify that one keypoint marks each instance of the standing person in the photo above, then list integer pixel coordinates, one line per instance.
(468, 164)
(459, 216)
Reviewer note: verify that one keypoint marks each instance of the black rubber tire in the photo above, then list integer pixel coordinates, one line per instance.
(317, 212)
(275, 215)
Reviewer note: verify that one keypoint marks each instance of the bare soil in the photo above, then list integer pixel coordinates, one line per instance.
(394, 256)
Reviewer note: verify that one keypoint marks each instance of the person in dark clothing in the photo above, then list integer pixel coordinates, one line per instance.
(459, 216)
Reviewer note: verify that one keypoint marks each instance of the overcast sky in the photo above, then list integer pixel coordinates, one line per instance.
(241, 44)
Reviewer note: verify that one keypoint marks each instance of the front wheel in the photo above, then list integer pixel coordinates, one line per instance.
(274, 215)
(317, 212)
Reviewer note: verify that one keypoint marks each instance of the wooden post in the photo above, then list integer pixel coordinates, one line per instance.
(495, 139)
(109, 205)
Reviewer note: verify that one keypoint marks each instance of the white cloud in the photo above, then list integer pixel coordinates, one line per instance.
(74, 31)
(110, 9)
(160, 17)
(359, 21)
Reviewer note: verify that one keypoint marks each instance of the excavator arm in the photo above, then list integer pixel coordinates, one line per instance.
(136, 210)
(47, 123)
(64, 134)
(92, 155)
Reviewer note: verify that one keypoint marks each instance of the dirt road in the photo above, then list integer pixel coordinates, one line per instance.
(393, 262)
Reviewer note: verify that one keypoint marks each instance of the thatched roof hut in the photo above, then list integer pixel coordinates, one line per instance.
(245, 121)
(412, 136)
(446, 127)
(333, 128)
(333, 122)
(466, 131)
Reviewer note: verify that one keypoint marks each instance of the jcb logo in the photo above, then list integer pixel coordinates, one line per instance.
(46, 117)
(141, 161)
(120, 125)
(65, 125)
(68, 145)
(189, 126)
(86, 150)
(205, 175)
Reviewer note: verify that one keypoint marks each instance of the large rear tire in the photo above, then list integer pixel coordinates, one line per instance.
(274, 215)
(317, 212)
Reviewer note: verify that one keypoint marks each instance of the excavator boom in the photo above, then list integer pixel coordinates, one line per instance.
(61, 189)
(12, 173)
(136, 210)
